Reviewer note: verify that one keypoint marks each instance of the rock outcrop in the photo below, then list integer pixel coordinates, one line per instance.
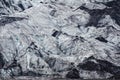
(43, 38)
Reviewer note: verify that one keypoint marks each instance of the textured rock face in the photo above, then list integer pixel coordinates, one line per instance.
(60, 38)
(11, 6)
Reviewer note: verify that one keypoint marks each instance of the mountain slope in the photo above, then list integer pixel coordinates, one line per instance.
(60, 38)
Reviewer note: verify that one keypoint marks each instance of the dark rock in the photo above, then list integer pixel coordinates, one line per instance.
(78, 26)
(113, 3)
(1, 61)
(71, 66)
(95, 16)
(21, 6)
(34, 47)
(51, 62)
(101, 39)
(7, 20)
(52, 13)
(100, 65)
(15, 68)
(6, 3)
(73, 74)
(56, 33)
(115, 77)
(31, 73)
(79, 38)
(98, 14)
(89, 65)
(114, 12)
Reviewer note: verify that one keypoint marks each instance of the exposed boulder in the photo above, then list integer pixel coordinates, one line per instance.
(93, 64)
(73, 74)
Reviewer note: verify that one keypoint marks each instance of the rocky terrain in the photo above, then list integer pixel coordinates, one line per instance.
(60, 38)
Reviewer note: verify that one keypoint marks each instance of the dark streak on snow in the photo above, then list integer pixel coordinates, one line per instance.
(7, 20)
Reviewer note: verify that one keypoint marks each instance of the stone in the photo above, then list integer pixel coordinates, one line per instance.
(73, 74)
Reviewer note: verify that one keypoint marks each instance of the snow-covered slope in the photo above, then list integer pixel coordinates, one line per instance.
(63, 38)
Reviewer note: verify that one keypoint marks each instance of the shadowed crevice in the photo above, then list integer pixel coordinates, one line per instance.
(1, 61)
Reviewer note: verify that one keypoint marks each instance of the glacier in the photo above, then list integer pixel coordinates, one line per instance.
(60, 38)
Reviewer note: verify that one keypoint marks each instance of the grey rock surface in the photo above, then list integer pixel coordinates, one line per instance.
(54, 37)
